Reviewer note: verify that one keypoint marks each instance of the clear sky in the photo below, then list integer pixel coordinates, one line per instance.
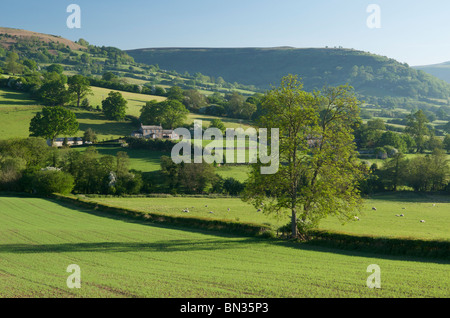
(413, 31)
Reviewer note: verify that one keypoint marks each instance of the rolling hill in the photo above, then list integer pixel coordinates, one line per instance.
(441, 70)
(370, 74)
(15, 35)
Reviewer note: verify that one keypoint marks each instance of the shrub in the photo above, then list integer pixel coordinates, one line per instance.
(52, 180)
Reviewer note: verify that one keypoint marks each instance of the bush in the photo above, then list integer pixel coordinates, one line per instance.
(233, 186)
(51, 181)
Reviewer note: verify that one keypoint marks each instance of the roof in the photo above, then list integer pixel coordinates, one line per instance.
(151, 127)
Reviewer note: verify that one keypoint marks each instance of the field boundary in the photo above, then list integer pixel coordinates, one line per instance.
(382, 245)
(410, 247)
(251, 229)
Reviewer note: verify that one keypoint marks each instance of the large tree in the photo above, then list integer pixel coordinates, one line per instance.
(53, 121)
(114, 106)
(79, 87)
(170, 113)
(319, 172)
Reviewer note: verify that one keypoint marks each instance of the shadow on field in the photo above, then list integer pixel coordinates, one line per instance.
(220, 240)
(121, 247)
(412, 197)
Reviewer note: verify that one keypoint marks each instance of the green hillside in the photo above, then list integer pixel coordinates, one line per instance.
(370, 74)
(441, 70)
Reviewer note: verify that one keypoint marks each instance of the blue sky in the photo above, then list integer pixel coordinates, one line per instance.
(413, 31)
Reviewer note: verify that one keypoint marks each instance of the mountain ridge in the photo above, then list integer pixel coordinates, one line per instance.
(369, 73)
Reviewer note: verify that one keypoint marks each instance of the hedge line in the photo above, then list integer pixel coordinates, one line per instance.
(199, 223)
(382, 245)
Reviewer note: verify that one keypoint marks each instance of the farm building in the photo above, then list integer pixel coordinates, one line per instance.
(154, 132)
(59, 142)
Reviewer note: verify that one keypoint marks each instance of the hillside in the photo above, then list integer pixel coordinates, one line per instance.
(14, 36)
(83, 58)
(371, 75)
(441, 70)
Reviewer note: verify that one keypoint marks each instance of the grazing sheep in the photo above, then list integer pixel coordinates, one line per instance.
(374, 208)
(210, 212)
(397, 215)
(228, 209)
(422, 221)
(356, 218)
(259, 210)
(434, 204)
(402, 215)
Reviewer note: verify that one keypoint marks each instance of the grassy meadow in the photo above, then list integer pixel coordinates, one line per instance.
(120, 258)
(382, 222)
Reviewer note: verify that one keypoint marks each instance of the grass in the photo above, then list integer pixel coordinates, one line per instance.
(143, 160)
(121, 258)
(382, 222)
(16, 111)
(135, 100)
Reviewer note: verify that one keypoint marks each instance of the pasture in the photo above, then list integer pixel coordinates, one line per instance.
(380, 223)
(120, 258)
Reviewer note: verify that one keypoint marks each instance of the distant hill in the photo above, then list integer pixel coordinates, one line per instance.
(14, 35)
(441, 70)
(370, 74)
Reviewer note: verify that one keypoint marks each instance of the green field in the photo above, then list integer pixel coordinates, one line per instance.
(382, 222)
(16, 111)
(120, 258)
(135, 100)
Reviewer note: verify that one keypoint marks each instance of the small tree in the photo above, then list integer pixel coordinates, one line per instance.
(217, 123)
(417, 128)
(89, 135)
(79, 87)
(114, 106)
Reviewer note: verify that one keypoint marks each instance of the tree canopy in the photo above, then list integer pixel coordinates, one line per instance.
(53, 121)
(319, 171)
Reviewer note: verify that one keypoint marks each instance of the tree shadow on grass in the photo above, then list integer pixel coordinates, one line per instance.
(123, 247)
(219, 240)
(15, 99)
(412, 197)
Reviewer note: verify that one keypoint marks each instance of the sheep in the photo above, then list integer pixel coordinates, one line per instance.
(374, 208)
(259, 210)
(228, 209)
(422, 221)
(402, 215)
(211, 212)
(356, 218)
(397, 215)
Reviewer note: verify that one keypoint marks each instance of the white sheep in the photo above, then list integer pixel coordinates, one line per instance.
(422, 221)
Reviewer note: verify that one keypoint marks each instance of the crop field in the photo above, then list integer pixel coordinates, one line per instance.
(40, 238)
(382, 222)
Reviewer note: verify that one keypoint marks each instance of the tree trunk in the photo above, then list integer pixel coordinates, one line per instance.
(294, 222)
